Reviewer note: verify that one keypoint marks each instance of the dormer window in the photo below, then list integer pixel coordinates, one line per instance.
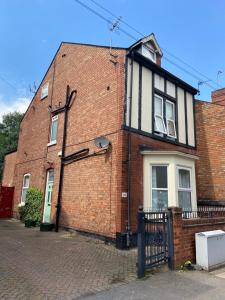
(148, 52)
(44, 91)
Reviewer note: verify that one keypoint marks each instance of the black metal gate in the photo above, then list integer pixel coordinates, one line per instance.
(155, 246)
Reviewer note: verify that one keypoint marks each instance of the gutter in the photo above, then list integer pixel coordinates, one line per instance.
(129, 158)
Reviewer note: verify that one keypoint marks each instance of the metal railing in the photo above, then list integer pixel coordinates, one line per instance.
(205, 212)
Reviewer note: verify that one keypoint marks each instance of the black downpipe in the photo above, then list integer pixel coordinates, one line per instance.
(129, 159)
(66, 110)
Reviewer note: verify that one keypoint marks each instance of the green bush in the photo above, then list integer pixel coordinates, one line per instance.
(31, 211)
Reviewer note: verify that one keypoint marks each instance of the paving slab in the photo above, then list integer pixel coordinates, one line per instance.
(64, 265)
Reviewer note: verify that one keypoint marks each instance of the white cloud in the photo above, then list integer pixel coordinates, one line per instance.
(20, 105)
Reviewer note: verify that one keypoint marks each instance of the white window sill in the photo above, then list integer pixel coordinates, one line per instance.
(51, 144)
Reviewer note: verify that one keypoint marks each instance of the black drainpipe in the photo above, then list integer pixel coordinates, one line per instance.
(66, 110)
(129, 158)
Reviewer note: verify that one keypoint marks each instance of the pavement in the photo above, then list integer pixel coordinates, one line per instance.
(63, 265)
(170, 285)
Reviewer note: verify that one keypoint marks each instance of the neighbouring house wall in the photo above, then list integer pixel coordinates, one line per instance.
(184, 234)
(9, 168)
(91, 187)
(210, 128)
(218, 96)
(137, 187)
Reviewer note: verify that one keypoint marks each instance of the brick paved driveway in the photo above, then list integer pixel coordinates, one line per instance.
(49, 265)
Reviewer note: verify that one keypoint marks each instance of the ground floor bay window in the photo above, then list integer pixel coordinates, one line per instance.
(169, 180)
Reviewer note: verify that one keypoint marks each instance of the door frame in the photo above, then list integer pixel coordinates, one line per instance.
(46, 188)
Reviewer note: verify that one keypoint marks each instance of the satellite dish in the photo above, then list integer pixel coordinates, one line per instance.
(101, 142)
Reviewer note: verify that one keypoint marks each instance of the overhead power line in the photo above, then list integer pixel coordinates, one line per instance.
(7, 82)
(142, 35)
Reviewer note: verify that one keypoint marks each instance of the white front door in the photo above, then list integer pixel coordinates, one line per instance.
(48, 196)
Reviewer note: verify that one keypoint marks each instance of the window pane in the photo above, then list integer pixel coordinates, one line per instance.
(159, 199)
(159, 124)
(170, 111)
(44, 91)
(158, 106)
(24, 194)
(159, 177)
(50, 175)
(26, 181)
(171, 128)
(54, 130)
(184, 178)
(184, 199)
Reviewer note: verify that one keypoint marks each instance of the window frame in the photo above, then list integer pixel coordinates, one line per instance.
(44, 95)
(159, 116)
(180, 189)
(158, 189)
(53, 142)
(24, 187)
(174, 121)
(165, 98)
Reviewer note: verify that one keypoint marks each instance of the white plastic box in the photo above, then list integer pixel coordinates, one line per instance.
(210, 249)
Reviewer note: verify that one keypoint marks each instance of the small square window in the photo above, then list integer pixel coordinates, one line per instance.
(44, 91)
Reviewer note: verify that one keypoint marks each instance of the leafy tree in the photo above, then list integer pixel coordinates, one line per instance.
(9, 134)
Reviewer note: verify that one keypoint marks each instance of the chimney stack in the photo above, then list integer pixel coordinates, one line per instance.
(218, 96)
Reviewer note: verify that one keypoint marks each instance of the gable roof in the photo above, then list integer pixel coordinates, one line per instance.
(149, 38)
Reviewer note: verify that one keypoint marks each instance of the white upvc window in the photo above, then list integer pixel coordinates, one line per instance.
(25, 187)
(170, 119)
(54, 129)
(184, 188)
(158, 115)
(44, 90)
(159, 187)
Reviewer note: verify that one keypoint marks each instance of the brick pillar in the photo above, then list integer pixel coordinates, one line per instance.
(177, 235)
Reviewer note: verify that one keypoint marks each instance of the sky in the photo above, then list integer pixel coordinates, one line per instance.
(31, 31)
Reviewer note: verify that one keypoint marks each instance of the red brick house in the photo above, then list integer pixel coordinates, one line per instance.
(147, 153)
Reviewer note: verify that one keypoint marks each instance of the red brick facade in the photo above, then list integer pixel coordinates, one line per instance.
(210, 126)
(91, 187)
(9, 169)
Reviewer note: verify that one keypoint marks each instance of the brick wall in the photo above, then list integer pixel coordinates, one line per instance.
(184, 234)
(210, 128)
(91, 188)
(9, 168)
(218, 96)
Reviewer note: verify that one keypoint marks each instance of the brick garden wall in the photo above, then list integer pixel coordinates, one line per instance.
(184, 234)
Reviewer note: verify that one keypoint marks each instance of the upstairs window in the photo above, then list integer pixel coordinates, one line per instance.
(159, 120)
(164, 116)
(54, 128)
(44, 91)
(149, 52)
(170, 119)
(26, 184)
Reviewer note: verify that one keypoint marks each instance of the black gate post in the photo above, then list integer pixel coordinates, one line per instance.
(141, 243)
(170, 239)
